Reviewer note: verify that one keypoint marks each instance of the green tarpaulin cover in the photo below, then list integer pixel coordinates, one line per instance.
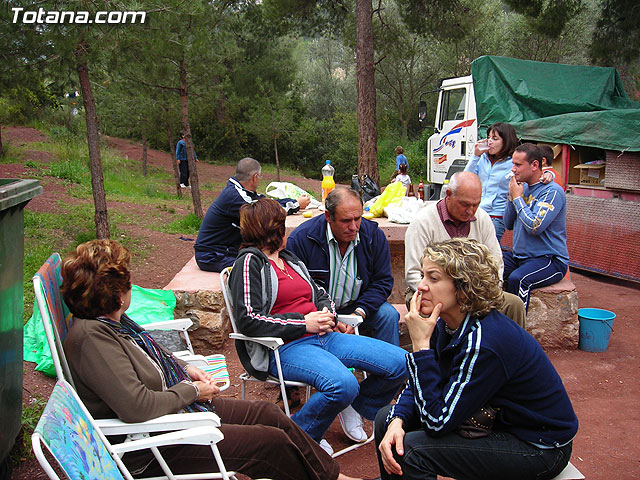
(556, 103)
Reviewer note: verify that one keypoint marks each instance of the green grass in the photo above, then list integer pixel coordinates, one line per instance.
(31, 413)
(189, 224)
(10, 154)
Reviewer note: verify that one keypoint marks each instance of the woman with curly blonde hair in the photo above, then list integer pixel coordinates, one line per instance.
(483, 400)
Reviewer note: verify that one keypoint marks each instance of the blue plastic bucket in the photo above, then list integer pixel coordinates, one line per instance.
(596, 326)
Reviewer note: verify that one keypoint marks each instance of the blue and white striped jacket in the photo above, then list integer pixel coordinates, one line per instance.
(488, 361)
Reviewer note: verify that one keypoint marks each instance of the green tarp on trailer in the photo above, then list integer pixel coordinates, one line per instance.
(556, 103)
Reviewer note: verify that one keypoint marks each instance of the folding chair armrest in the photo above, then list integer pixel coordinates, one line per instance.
(195, 360)
(351, 320)
(270, 342)
(175, 421)
(191, 436)
(181, 324)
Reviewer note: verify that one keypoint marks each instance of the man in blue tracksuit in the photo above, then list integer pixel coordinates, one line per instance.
(219, 237)
(349, 257)
(537, 215)
(183, 164)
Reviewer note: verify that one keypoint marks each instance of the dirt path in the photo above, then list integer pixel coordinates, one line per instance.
(604, 387)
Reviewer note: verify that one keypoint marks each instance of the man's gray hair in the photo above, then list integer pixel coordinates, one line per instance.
(336, 196)
(247, 168)
(455, 181)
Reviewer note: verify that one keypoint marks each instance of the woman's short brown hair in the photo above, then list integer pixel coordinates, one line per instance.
(474, 272)
(94, 277)
(262, 224)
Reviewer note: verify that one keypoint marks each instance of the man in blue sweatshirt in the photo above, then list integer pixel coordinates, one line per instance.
(537, 215)
(219, 237)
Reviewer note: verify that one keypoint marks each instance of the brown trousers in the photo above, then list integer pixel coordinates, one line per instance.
(259, 441)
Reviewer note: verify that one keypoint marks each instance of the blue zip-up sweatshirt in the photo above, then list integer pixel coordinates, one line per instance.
(495, 182)
(309, 243)
(220, 229)
(539, 222)
(488, 361)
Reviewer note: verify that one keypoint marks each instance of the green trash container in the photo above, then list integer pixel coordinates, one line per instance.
(14, 195)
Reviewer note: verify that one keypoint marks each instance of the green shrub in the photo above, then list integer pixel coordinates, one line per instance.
(189, 224)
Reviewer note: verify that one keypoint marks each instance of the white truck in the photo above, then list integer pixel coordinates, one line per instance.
(455, 132)
(585, 115)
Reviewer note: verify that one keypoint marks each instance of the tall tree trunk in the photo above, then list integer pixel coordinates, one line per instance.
(144, 155)
(275, 148)
(1, 149)
(193, 173)
(172, 151)
(405, 128)
(365, 70)
(95, 163)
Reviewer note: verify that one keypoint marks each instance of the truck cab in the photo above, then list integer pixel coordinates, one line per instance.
(455, 133)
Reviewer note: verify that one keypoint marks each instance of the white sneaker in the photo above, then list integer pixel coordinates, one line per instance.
(183, 185)
(352, 424)
(326, 447)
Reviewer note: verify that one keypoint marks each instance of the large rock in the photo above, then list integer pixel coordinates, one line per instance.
(198, 296)
(552, 318)
(211, 324)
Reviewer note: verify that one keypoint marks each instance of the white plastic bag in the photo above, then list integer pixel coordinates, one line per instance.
(289, 190)
(405, 211)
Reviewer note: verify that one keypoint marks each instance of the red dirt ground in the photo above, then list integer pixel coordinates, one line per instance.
(603, 387)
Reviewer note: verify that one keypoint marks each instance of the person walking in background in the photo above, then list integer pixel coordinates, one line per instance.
(183, 164)
(400, 158)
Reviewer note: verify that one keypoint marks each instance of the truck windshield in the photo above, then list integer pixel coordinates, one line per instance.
(453, 105)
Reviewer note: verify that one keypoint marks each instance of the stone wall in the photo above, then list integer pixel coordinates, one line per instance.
(211, 325)
(552, 318)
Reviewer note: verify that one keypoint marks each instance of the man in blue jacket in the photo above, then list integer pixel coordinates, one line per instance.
(349, 256)
(219, 236)
(183, 164)
(538, 217)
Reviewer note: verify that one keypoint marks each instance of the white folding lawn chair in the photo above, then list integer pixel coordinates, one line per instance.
(79, 444)
(274, 343)
(55, 317)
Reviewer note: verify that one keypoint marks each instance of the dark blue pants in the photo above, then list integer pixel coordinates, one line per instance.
(522, 275)
(498, 456)
(184, 172)
(216, 260)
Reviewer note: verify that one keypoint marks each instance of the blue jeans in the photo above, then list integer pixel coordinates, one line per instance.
(498, 224)
(323, 362)
(522, 275)
(498, 456)
(383, 324)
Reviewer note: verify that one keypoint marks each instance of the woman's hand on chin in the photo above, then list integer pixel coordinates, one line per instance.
(420, 327)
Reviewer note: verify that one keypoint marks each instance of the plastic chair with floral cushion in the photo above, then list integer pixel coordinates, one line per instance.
(82, 450)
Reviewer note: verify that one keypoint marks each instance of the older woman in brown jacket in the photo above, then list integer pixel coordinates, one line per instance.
(120, 371)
